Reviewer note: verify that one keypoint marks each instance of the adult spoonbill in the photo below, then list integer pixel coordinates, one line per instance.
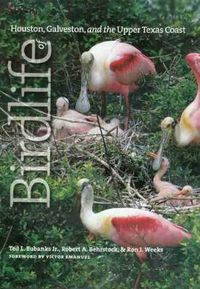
(168, 192)
(187, 131)
(129, 227)
(112, 66)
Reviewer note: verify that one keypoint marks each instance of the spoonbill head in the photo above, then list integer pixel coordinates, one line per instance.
(62, 105)
(193, 60)
(186, 191)
(87, 59)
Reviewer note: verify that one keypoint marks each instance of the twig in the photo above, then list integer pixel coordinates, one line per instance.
(104, 163)
(6, 240)
(114, 172)
(167, 209)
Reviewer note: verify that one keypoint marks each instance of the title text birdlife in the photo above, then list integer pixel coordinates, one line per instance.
(17, 113)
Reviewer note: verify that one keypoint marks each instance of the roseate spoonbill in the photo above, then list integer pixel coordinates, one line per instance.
(71, 122)
(112, 66)
(187, 131)
(129, 227)
(166, 190)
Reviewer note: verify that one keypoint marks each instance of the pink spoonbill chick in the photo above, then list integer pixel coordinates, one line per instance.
(70, 122)
(169, 193)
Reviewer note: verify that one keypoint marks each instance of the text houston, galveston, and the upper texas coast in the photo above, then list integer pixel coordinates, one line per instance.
(99, 29)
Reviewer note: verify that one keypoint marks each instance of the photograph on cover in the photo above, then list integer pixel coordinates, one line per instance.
(99, 144)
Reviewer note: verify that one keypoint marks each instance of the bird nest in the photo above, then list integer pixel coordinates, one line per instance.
(124, 159)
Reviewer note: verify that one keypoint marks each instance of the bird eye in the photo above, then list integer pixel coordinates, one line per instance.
(175, 122)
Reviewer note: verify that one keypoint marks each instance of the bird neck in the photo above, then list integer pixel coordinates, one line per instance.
(88, 217)
(87, 201)
(197, 98)
(197, 76)
(158, 176)
(86, 207)
(61, 112)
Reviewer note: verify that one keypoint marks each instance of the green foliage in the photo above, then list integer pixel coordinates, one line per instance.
(166, 94)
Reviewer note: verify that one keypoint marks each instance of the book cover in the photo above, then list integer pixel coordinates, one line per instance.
(99, 144)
